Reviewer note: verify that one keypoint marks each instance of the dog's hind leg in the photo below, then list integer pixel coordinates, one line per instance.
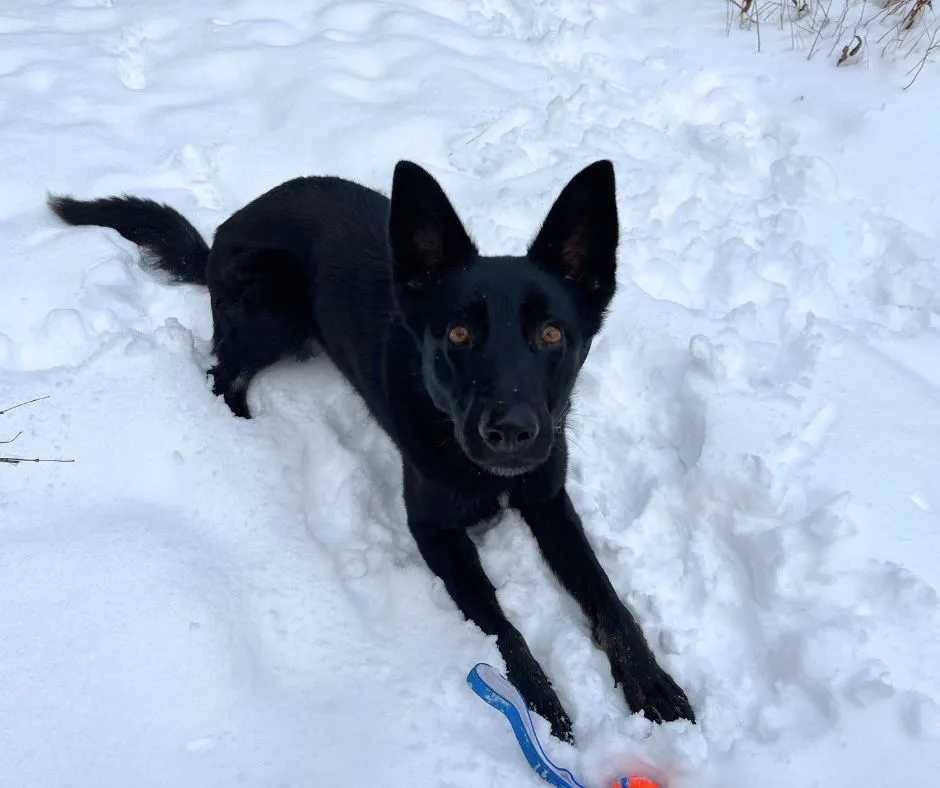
(261, 309)
(243, 351)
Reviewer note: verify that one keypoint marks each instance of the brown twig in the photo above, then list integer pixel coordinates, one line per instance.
(933, 47)
(916, 12)
(850, 51)
(21, 404)
(18, 460)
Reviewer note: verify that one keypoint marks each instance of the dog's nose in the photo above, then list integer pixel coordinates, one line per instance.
(509, 430)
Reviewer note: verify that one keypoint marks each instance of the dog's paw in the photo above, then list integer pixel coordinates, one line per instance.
(551, 709)
(529, 678)
(648, 688)
(234, 392)
(541, 698)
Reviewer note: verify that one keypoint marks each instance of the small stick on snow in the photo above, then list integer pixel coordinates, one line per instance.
(18, 460)
(21, 404)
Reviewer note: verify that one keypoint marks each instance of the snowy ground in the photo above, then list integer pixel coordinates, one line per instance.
(202, 601)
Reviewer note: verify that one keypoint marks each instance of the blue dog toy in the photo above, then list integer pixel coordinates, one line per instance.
(498, 691)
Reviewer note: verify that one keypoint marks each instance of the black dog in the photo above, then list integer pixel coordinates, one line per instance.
(467, 362)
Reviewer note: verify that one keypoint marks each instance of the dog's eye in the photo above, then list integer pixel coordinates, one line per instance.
(459, 334)
(551, 334)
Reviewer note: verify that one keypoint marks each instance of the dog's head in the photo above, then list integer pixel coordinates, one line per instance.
(502, 338)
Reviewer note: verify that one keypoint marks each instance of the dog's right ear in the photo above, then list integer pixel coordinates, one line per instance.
(578, 239)
(425, 233)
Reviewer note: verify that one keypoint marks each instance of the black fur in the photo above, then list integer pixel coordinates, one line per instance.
(467, 362)
(159, 229)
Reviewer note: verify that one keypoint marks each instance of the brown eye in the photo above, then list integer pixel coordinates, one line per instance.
(459, 335)
(551, 334)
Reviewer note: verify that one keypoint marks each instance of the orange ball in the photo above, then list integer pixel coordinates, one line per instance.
(635, 782)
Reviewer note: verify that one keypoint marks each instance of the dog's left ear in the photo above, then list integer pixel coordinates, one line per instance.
(578, 239)
(425, 233)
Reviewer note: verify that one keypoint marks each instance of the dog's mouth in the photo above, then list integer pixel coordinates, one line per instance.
(509, 470)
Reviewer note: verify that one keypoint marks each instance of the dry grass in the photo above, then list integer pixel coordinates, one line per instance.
(849, 31)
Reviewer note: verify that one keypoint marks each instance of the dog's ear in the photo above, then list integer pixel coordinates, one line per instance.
(425, 233)
(578, 239)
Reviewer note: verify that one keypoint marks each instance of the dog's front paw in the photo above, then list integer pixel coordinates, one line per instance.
(648, 688)
(528, 677)
(541, 698)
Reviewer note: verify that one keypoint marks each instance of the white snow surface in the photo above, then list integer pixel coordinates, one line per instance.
(204, 601)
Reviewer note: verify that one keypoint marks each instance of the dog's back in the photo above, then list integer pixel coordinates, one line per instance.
(314, 218)
(332, 239)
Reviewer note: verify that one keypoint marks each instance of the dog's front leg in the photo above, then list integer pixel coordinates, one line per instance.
(453, 557)
(647, 687)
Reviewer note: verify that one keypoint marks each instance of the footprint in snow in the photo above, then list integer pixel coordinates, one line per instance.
(132, 62)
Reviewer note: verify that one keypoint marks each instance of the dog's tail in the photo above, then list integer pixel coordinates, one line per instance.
(174, 245)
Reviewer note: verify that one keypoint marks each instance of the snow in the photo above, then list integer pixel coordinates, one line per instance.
(199, 600)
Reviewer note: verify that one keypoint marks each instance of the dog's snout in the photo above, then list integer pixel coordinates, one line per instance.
(509, 430)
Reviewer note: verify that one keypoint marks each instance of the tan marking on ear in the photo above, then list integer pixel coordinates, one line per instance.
(429, 245)
(573, 254)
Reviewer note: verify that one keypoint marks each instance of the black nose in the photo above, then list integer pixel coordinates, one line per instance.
(509, 430)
